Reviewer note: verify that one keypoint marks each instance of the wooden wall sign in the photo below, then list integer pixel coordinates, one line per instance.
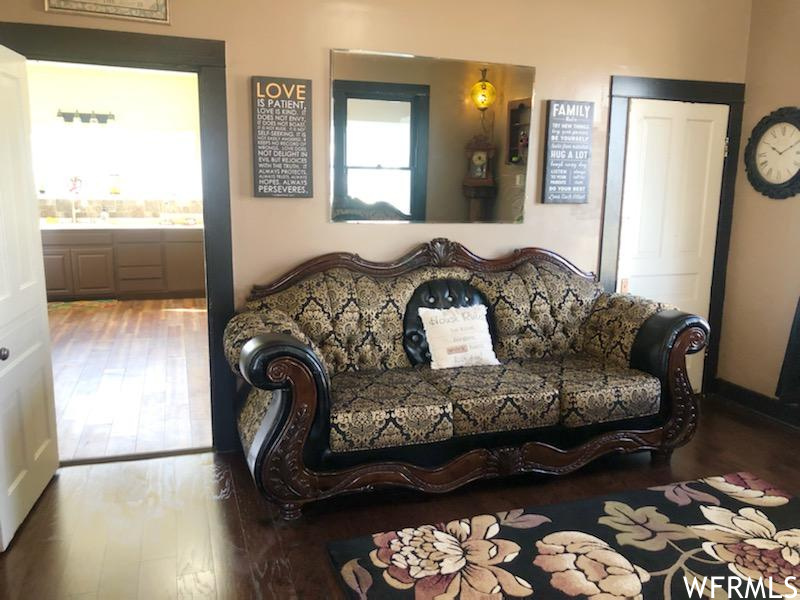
(567, 152)
(282, 164)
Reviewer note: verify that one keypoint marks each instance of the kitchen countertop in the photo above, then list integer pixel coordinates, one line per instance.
(111, 225)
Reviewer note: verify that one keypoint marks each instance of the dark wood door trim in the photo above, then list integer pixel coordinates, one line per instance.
(207, 59)
(710, 92)
(681, 90)
(111, 48)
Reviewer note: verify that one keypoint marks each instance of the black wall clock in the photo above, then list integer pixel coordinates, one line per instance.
(772, 154)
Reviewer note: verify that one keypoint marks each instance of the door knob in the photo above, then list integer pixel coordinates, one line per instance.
(4, 353)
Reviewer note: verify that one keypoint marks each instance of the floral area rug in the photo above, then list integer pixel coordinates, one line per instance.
(664, 542)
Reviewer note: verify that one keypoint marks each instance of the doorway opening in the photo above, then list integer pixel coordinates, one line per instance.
(118, 172)
(672, 159)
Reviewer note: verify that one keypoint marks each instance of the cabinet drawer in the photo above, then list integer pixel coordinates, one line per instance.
(138, 255)
(183, 235)
(141, 285)
(140, 273)
(137, 235)
(75, 238)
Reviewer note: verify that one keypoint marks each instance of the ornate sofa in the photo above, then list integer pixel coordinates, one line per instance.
(337, 394)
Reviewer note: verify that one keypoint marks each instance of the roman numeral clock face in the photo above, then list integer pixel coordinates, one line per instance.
(772, 155)
(778, 153)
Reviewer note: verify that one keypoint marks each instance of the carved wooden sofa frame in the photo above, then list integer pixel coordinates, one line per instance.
(280, 454)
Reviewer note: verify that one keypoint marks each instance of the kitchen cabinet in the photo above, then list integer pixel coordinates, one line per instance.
(58, 272)
(126, 263)
(140, 261)
(93, 271)
(184, 261)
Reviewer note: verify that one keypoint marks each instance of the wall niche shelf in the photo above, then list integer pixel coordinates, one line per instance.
(519, 122)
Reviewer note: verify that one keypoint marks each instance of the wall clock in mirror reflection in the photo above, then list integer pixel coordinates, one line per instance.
(772, 154)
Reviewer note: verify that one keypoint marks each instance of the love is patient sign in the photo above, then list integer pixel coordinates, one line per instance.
(282, 165)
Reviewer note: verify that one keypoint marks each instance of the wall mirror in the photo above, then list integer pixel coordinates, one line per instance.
(418, 139)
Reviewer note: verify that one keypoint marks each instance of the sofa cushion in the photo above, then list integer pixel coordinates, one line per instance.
(380, 409)
(592, 391)
(505, 397)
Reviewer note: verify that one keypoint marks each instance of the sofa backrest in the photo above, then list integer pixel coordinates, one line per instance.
(356, 318)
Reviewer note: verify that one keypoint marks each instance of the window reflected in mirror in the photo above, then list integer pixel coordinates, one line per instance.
(428, 140)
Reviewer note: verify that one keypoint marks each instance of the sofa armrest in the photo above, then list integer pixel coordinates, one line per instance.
(270, 351)
(629, 331)
(259, 351)
(614, 321)
(656, 339)
(248, 325)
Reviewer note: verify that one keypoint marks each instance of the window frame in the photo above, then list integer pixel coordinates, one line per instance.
(419, 97)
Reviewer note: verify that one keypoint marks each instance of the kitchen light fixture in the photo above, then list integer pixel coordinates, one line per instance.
(85, 117)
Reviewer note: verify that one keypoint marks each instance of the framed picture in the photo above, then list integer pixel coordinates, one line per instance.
(152, 11)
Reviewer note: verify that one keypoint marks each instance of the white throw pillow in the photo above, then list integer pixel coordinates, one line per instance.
(458, 337)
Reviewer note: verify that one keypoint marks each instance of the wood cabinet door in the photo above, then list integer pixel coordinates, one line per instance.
(93, 270)
(185, 266)
(58, 272)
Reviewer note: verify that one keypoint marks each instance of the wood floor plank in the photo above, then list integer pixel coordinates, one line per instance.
(269, 564)
(233, 573)
(158, 579)
(119, 576)
(84, 561)
(130, 376)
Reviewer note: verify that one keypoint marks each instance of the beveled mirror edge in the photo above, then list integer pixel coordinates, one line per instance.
(391, 54)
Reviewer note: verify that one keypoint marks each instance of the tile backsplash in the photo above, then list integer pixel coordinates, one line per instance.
(89, 210)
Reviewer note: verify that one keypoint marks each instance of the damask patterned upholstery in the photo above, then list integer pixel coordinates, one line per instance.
(505, 397)
(244, 326)
(399, 407)
(591, 391)
(252, 414)
(356, 320)
(384, 408)
(564, 346)
(570, 301)
(610, 329)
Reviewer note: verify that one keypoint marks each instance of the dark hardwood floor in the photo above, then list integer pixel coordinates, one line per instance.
(194, 526)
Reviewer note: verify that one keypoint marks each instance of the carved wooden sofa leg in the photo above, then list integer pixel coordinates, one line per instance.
(290, 512)
(660, 457)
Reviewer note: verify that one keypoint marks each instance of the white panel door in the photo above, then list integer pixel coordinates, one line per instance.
(28, 452)
(673, 176)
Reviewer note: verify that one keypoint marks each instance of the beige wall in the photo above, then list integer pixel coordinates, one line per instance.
(763, 274)
(575, 46)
